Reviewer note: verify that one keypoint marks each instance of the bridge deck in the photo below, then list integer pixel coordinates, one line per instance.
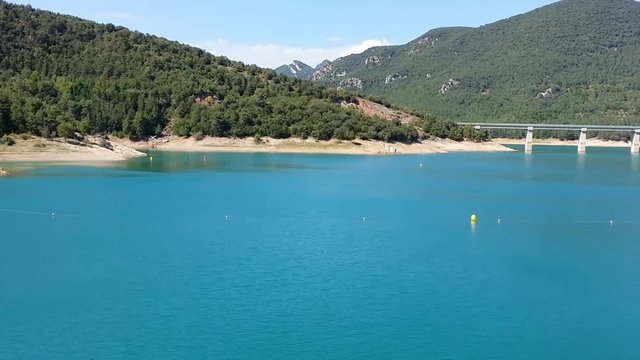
(569, 127)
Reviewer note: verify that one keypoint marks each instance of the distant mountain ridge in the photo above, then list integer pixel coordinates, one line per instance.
(322, 64)
(571, 61)
(299, 70)
(296, 69)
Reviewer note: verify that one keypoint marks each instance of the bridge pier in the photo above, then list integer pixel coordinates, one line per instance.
(528, 143)
(582, 143)
(635, 144)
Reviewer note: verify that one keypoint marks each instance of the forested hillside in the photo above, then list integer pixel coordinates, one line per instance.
(575, 61)
(60, 74)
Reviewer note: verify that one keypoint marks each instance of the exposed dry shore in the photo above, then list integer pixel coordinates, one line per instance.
(35, 149)
(558, 142)
(310, 146)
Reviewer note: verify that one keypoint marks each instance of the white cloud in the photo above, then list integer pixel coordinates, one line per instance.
(274, 55)
(367, 44)
(117, 15)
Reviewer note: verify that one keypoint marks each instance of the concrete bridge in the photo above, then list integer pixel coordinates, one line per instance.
(582, 142)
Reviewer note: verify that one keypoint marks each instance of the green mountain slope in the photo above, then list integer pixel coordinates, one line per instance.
(575, 61)
(60, 74)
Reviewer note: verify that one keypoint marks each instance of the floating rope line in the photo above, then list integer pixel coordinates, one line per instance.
(35, 213)
(501, 221)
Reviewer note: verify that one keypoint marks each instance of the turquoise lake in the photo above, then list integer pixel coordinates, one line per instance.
(274, 256)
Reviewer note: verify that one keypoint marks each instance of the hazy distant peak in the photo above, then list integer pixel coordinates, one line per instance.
(296, 69)
(323, 64)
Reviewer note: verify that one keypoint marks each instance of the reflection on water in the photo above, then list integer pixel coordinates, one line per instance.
(528, 165)
(166, 162)
(171, 162)
(539, 166)
(581, 163)
(582, 160)
(531, 167)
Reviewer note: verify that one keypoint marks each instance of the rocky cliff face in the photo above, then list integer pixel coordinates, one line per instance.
(322, 72)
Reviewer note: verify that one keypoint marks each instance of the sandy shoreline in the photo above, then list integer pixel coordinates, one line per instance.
(34, 149)
(310, 146)
(30, 149)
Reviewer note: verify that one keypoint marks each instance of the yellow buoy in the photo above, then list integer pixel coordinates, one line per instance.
(474, 218)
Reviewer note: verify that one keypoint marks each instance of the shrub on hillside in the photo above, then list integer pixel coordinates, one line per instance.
(66, 130)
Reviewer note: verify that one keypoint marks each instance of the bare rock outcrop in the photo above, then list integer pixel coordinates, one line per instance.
(371, 108)
(351, 83)
(549, 93)
(446, 87)
(394, 77)
(323, 72)
(424, 43)
(372, 60)
(208, 98)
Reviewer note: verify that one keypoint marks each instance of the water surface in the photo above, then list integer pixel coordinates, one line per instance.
(265, 256)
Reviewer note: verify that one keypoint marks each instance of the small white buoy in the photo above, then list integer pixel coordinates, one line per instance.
(420, 164)
(226, 218)
(611, 223)
(53, 214)
(364, 219)
(499, 221)
(150, 158)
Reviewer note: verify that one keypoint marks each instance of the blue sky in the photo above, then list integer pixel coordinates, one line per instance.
(272, 33)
